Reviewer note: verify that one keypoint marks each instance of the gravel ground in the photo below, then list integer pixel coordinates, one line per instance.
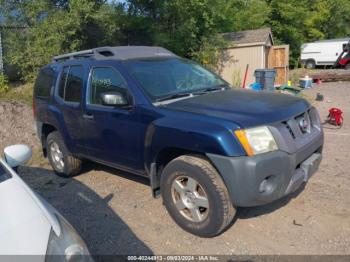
(115, 213)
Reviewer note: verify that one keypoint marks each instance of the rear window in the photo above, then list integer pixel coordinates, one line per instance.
(44, 82)
(71, 84)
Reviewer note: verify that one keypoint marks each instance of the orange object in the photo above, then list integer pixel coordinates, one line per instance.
(245, 76)
(244, 142)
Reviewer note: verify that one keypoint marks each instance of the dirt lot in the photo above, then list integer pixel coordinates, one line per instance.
(115, 213)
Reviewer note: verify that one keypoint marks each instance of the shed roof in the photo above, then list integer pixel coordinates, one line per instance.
(250, 37)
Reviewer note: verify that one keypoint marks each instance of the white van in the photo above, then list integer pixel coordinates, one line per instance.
(322, 53)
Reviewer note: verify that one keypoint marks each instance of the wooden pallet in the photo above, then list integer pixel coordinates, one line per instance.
(332, 75)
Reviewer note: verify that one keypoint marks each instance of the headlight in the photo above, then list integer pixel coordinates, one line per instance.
(68, 246)
(256, 140)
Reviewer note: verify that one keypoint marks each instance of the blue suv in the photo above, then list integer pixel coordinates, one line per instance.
(205, 147)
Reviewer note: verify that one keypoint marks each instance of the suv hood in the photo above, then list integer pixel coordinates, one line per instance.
(244, 107)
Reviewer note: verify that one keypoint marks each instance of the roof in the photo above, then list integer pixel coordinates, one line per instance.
(334, 40)
(258, 36)
(117, 53)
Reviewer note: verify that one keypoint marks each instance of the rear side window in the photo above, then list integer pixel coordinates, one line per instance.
(63, 79)
(71, 84)
(44, 82)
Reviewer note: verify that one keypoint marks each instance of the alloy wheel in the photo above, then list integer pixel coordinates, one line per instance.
(57, 156)
(190, 198)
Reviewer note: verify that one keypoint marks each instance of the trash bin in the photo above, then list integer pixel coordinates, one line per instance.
(259, 76)
(266, 77)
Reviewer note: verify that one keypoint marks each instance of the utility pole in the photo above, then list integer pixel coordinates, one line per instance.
(1, 57)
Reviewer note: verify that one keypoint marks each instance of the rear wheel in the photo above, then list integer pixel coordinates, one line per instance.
(196, 197)
(63, 163)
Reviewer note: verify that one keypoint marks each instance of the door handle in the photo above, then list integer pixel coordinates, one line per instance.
(88, 116)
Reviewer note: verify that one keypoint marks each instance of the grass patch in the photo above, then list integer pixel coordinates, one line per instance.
(18, 92)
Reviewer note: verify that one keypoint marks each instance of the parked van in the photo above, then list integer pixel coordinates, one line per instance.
(322, 53)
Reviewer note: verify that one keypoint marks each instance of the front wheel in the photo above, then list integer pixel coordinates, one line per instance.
(196, 197)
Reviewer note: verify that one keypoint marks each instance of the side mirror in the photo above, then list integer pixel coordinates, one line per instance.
(17, 155)
(117, 99)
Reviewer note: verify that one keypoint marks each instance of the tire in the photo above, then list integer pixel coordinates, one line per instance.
(347, 66)
(61, 160)
(185, 184)
(310, 64)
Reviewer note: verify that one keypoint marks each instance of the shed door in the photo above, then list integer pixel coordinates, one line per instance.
(279, 60)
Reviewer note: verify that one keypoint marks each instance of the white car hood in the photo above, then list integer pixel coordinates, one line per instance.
(24, 228)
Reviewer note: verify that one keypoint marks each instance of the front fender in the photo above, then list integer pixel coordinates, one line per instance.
(193, 135)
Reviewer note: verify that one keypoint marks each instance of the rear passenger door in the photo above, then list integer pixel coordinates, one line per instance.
(69, 97)
(113, 133)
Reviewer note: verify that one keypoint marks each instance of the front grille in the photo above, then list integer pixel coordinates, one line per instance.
(303, 124)
(285, 123)
(290, 137)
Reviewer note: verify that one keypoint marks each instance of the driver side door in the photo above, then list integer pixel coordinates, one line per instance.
(112, 133)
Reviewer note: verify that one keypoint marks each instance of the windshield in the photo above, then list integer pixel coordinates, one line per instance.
(163, 77)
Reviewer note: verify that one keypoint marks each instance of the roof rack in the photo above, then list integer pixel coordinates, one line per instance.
(117, 53)
(90, 53)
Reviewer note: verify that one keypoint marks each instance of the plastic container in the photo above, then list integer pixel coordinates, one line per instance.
(256, 86)
(269, 83)
(305, 82)
(259, 76)
(266, 77)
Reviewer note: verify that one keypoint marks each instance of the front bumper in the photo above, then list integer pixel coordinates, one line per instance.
(261, 179)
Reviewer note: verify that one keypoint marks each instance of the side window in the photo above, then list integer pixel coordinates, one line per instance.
(71, 84)
(63, 80)
(104, 79)
(74, 84)
(44, 82)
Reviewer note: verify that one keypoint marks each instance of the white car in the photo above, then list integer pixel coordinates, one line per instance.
(28, 224)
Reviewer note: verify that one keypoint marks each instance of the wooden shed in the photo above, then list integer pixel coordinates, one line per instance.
(256, 49)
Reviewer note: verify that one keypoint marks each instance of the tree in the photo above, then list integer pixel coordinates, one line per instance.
(53, 30)
(190, 28)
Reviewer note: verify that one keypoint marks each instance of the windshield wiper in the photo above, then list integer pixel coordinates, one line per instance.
(173, 96)
(210, 89)
(199, 92)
